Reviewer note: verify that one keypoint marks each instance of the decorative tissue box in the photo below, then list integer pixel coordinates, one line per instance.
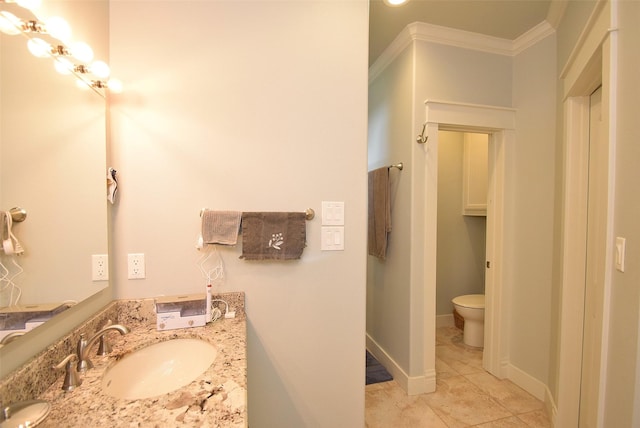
(181, 311)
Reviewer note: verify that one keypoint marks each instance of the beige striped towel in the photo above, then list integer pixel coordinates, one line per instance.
(220, 227)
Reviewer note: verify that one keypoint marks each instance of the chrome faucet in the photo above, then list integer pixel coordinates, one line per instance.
(84, 363)
(71, 377)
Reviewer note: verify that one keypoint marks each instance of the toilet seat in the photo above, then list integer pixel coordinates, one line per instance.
(473, 301)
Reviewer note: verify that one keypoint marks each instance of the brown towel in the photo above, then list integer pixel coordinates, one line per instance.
(273, 235)
(220, 227)
(379, 212)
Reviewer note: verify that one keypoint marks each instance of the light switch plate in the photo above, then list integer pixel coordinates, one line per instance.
(332, 213)
(332, 238)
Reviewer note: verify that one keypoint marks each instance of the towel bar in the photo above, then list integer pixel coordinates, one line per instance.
(309, 213)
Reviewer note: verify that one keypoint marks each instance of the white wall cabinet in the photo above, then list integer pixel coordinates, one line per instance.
(475, 174)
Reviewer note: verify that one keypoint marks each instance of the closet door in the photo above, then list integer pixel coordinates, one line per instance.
(595, 265)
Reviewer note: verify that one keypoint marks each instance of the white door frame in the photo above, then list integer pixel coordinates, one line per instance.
(499, 122)
(590, 64)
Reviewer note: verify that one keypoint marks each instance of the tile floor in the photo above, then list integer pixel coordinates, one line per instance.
(465, 395)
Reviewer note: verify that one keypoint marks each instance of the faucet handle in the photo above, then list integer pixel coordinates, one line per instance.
(71, 377)
(104, 347)
(84, 363)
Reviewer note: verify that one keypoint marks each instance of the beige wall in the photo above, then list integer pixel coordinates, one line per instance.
(531, 218)
(388, 294)
(251, 106)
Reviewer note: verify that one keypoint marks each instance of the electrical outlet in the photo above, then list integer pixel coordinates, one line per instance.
(99, 267)
(136, 266)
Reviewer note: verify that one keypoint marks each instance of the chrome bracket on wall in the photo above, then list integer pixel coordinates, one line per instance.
(18, 214)
(421, 138)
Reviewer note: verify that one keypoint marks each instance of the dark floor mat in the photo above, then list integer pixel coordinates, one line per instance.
(376, 373)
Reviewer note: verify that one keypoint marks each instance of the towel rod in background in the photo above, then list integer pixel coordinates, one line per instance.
(398, 165)
(309, 213)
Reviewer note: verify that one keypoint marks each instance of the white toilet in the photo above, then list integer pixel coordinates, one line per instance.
(471, 308)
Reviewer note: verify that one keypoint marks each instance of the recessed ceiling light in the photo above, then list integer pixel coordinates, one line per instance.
(395, 2)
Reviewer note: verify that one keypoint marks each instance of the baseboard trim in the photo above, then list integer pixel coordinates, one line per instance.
(445, 321)
(527, 382)
(550, 406)
(412, 385)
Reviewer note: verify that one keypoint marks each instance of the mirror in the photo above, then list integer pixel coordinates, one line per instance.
(53, 164)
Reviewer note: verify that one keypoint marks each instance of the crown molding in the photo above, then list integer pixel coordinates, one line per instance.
(402, 40)
(420, 31)
(533, 36)
(459, 38)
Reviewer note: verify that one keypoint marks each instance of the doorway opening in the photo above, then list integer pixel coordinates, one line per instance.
(462, 211)
(499, 124)
(585, 299)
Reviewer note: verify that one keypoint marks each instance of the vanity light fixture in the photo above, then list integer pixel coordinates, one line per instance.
(42, 49)
(113, 85)
(55, 26)
(97, 68)
(81, 51)
(9, 23)
(58, 28)
(61, 49)
(38, 47)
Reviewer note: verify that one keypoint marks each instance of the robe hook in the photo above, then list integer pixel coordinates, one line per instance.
(421, 139)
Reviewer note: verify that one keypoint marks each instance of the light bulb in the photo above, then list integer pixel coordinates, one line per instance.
(100, 69)
(9, 23)
(38, 47)
(58, 28)
(82, 84)
(115, 86)
(81, 51)
(395, 2)
(29, 4)
(63, 65)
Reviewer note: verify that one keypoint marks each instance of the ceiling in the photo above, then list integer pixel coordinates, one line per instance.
(507, 19)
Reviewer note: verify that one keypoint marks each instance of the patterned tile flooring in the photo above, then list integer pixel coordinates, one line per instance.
(465, 395)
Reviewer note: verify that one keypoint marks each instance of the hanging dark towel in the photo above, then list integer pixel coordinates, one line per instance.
(379, 212)
(273, 235)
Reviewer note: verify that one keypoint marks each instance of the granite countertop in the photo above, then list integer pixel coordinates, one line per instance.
(217, 398)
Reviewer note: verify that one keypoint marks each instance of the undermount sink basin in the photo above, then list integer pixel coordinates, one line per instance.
(159, 368)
